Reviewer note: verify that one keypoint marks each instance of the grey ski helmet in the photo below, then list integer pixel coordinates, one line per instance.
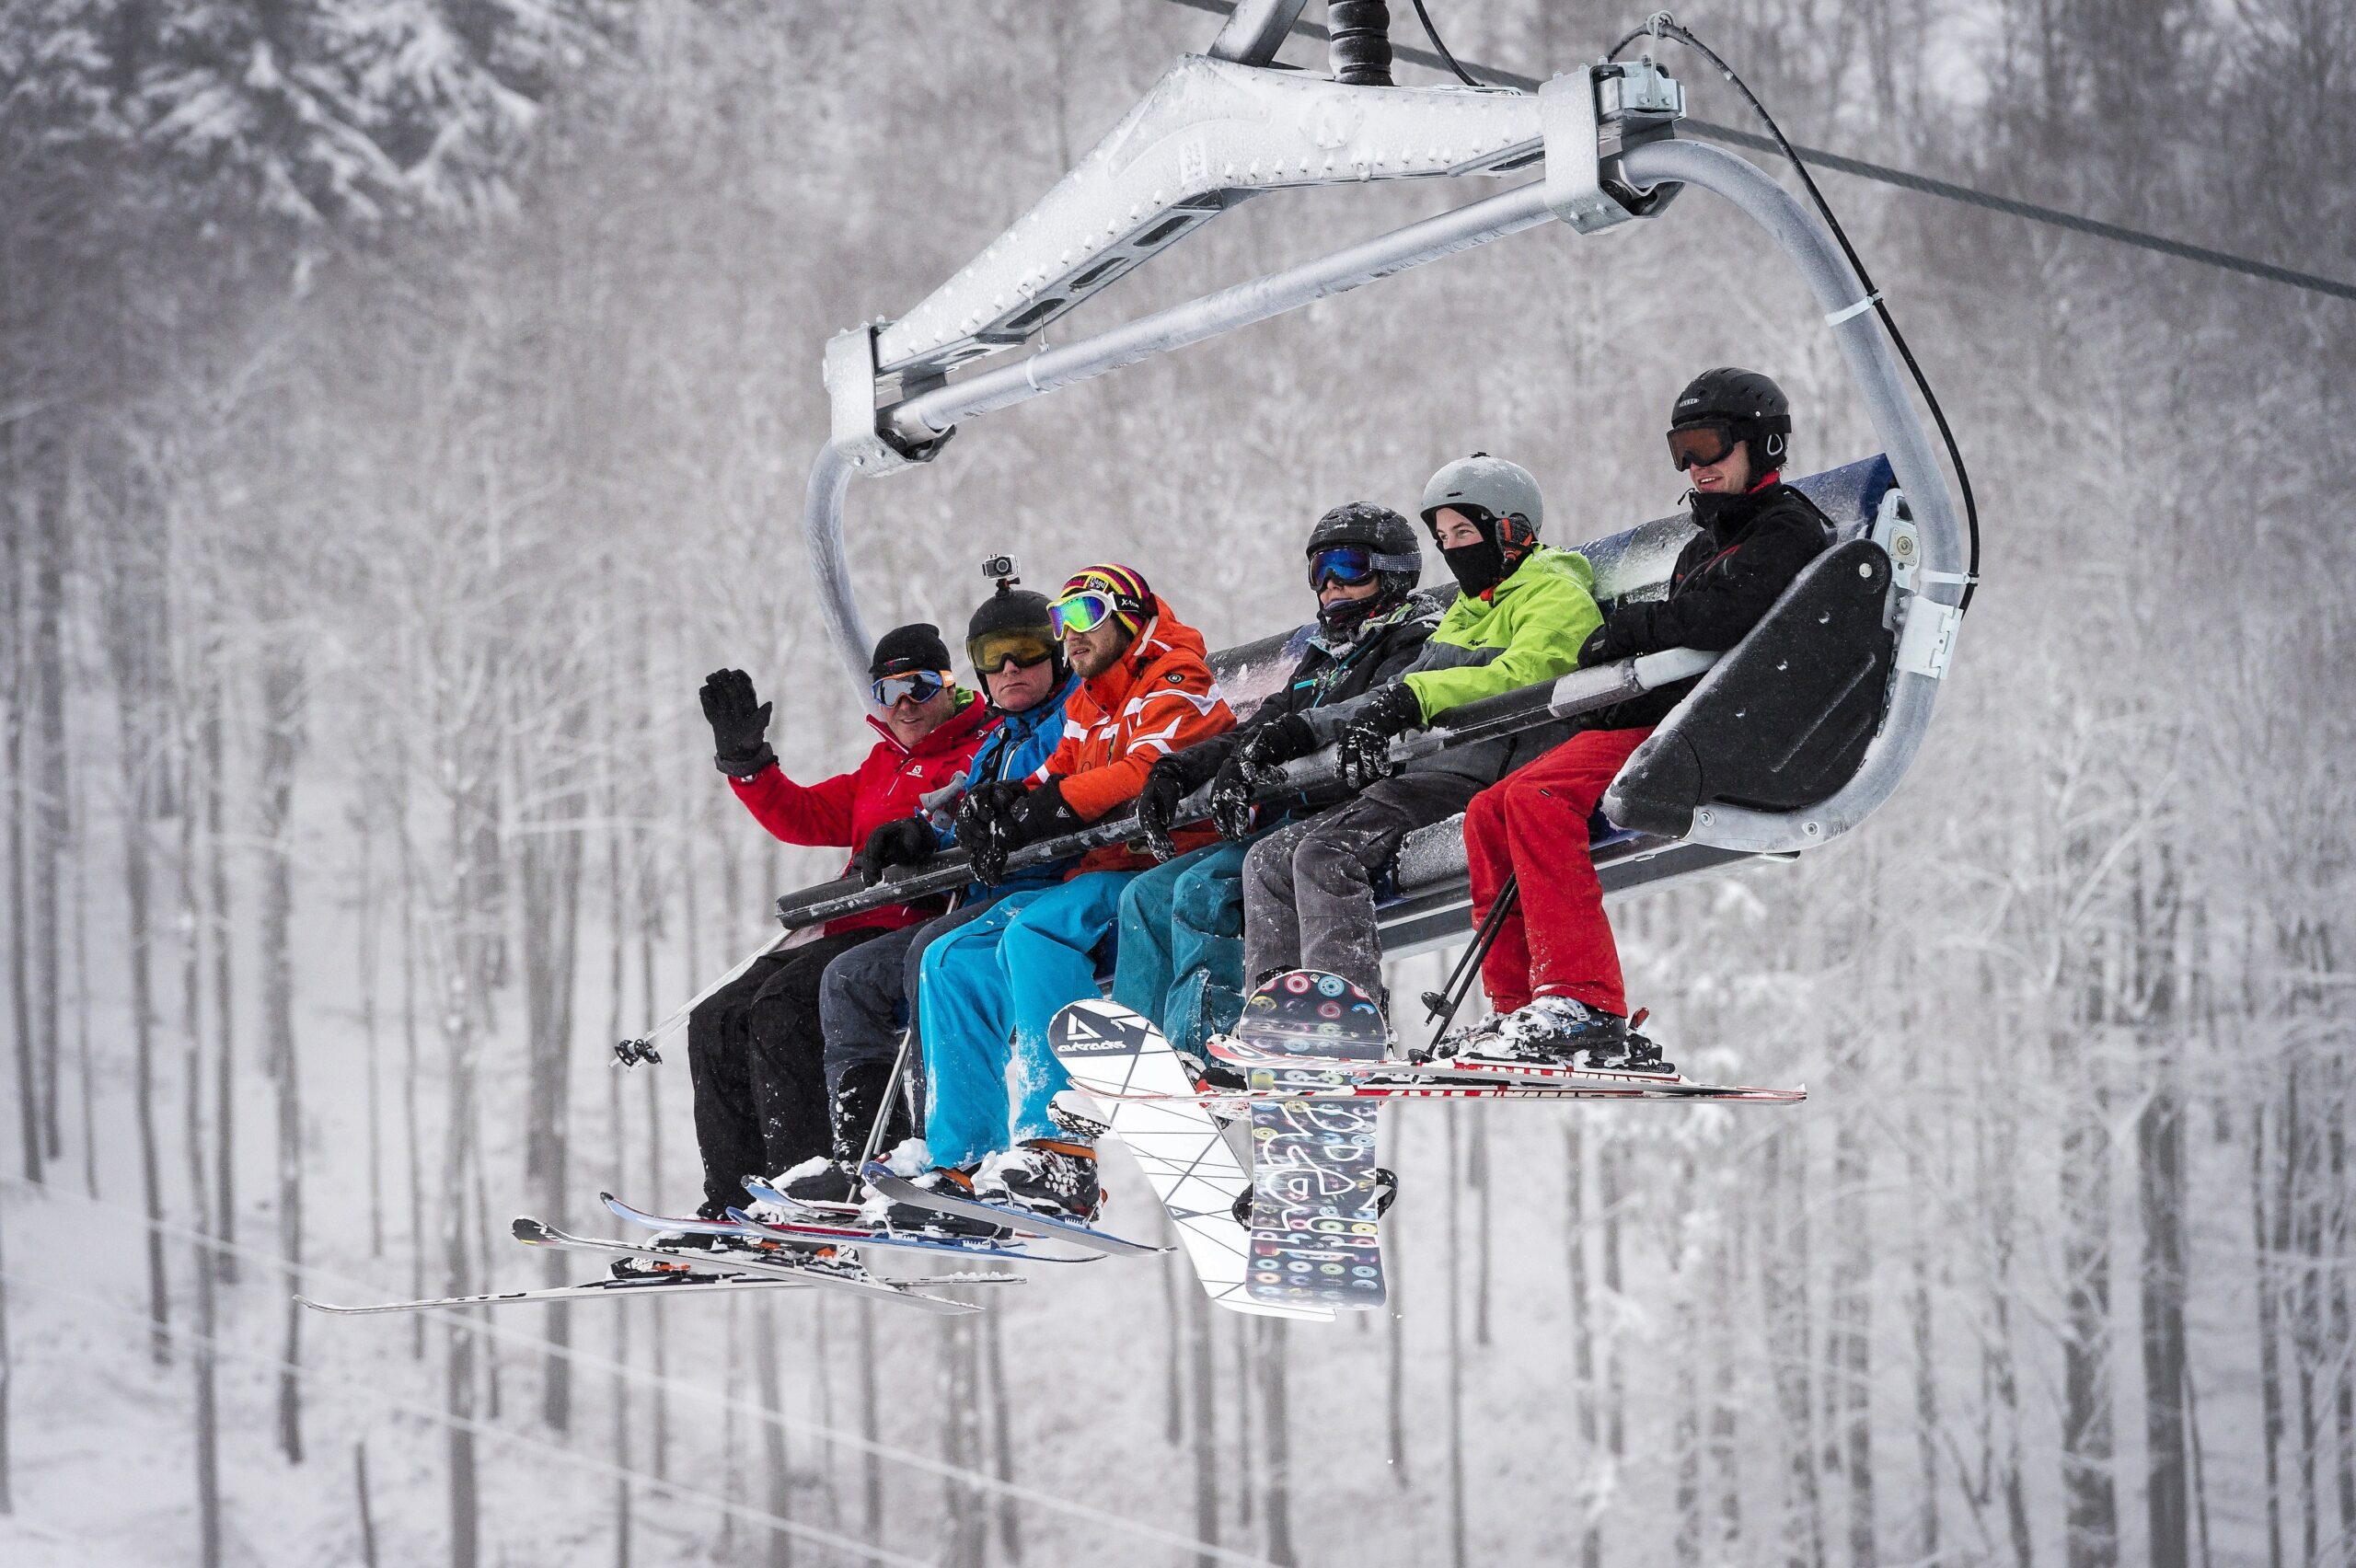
(1750, 406)
(1488, 489)
(1389, 537)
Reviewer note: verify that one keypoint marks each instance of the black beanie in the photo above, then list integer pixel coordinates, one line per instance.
(904, 648)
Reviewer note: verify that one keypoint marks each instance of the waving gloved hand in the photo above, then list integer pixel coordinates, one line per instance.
(739, 722)
(1279, 740)
(905, 842)
(1231, 809)
(1365, 751)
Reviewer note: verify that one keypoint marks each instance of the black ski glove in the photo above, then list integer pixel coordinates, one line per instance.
(1174, 779)
(907, 842)
(1037, 813)
(1606, 643)
(1279, 740)
(739, 723)
(981, 817)
(1231, 809)
(1364, 754)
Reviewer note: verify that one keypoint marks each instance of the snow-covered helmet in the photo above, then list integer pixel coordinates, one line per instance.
(1388, 538)
(1731, 405)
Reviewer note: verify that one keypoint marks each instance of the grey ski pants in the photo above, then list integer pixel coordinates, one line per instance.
(868, 995)
(1308, 887)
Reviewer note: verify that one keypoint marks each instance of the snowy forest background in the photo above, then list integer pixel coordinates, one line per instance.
(402, 405)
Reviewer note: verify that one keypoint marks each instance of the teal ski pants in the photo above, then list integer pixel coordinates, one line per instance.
(1182, 945)
(988, 991)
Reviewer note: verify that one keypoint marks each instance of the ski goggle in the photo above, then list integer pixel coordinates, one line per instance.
(1348, 565)
(917, 686)
(990, 651)
(1083, 611)
(1712, 440)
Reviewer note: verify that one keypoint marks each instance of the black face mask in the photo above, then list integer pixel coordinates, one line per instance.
(1342, 619)
(1477, 567)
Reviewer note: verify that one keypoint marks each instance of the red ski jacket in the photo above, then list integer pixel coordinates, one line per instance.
(845, 809)
(1158, 697)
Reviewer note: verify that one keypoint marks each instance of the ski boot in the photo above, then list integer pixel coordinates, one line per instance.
(1563, 1031)
(917, 1217)
(830, 1186)
(1206, 1071)
(1049, 1176)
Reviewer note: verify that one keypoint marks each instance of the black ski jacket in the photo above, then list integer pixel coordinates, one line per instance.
(1388, 645)
(1728, 576)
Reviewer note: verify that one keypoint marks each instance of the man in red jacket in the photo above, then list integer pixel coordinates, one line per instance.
(754, 1048)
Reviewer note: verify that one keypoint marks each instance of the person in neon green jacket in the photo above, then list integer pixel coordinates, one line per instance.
(1521, 613)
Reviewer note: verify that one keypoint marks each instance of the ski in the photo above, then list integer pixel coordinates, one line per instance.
(906, 1191)
(1475, 1072)
(1316, 1236)
(824, 1266)
(680, 1284)
(822, 1234)
(1110, 1052)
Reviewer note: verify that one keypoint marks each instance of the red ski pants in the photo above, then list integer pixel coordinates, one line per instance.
(1531, 824)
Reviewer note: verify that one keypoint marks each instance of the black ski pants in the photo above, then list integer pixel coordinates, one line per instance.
(869, 997)
(756, 1055)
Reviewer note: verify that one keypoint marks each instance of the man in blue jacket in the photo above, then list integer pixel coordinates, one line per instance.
(864, 1006)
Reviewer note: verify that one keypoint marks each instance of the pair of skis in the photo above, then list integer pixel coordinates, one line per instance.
(814, 1248)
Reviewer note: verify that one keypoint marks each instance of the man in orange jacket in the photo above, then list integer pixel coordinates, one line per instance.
(990, 989)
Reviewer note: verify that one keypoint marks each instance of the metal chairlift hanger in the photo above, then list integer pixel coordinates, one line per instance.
(1225, 125)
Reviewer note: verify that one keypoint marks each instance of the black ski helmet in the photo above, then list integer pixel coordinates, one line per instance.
(1390, 539)
(1752, 407)
(1013, 609)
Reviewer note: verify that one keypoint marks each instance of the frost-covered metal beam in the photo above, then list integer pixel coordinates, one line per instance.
(1209, 134)
(1255, 29)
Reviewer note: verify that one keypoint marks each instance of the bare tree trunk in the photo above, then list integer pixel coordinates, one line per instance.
(1203, 1376)
(201, 1353)
(1926, 1375)
(225, 1055)
(1853, 1316)
(967, 1537)
(20, 986)
(993, 1337)
(49, 784)
(1476, 1176)
(1685, 1446)
(871, 1422)
(1394, 1339)
(2270, 1375)
(1455, 1338)
(131, 657)
(365, 912)
(1177, 1278)
(1784, 1288)
(779, 1488)
(1275, 1408)
(8, 1387)
(616, 1128)
(281, 695)
(550, 879)
(1610, 1173)
(367, 1514)
(1583, 1331)
(2159, 1130)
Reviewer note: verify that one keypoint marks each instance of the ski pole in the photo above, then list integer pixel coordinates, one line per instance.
(1440, 1006)
(629, 1053)
(884, 1105)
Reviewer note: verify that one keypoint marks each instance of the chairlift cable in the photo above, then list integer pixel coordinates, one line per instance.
(1662, 25)
(1906, 180)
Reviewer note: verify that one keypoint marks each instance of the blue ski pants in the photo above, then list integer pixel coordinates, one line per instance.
(990, 989)
(1181, 956)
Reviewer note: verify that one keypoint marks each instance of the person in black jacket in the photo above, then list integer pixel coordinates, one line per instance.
(1553, 972)
(1181, 952)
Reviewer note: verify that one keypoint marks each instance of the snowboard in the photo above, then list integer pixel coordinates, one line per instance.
(1114, 1055)
(1315, 1235)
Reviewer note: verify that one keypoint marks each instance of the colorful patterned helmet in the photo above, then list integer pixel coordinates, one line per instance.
(1096, 593)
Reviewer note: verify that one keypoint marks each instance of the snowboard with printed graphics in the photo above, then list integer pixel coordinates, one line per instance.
(1316, 1233)
(1118, 1058)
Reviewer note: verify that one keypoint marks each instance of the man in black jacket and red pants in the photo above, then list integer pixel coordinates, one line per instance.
(1553, 973)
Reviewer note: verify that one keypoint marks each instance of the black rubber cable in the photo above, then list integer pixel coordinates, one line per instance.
(1432, 33)
(1661, 26)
